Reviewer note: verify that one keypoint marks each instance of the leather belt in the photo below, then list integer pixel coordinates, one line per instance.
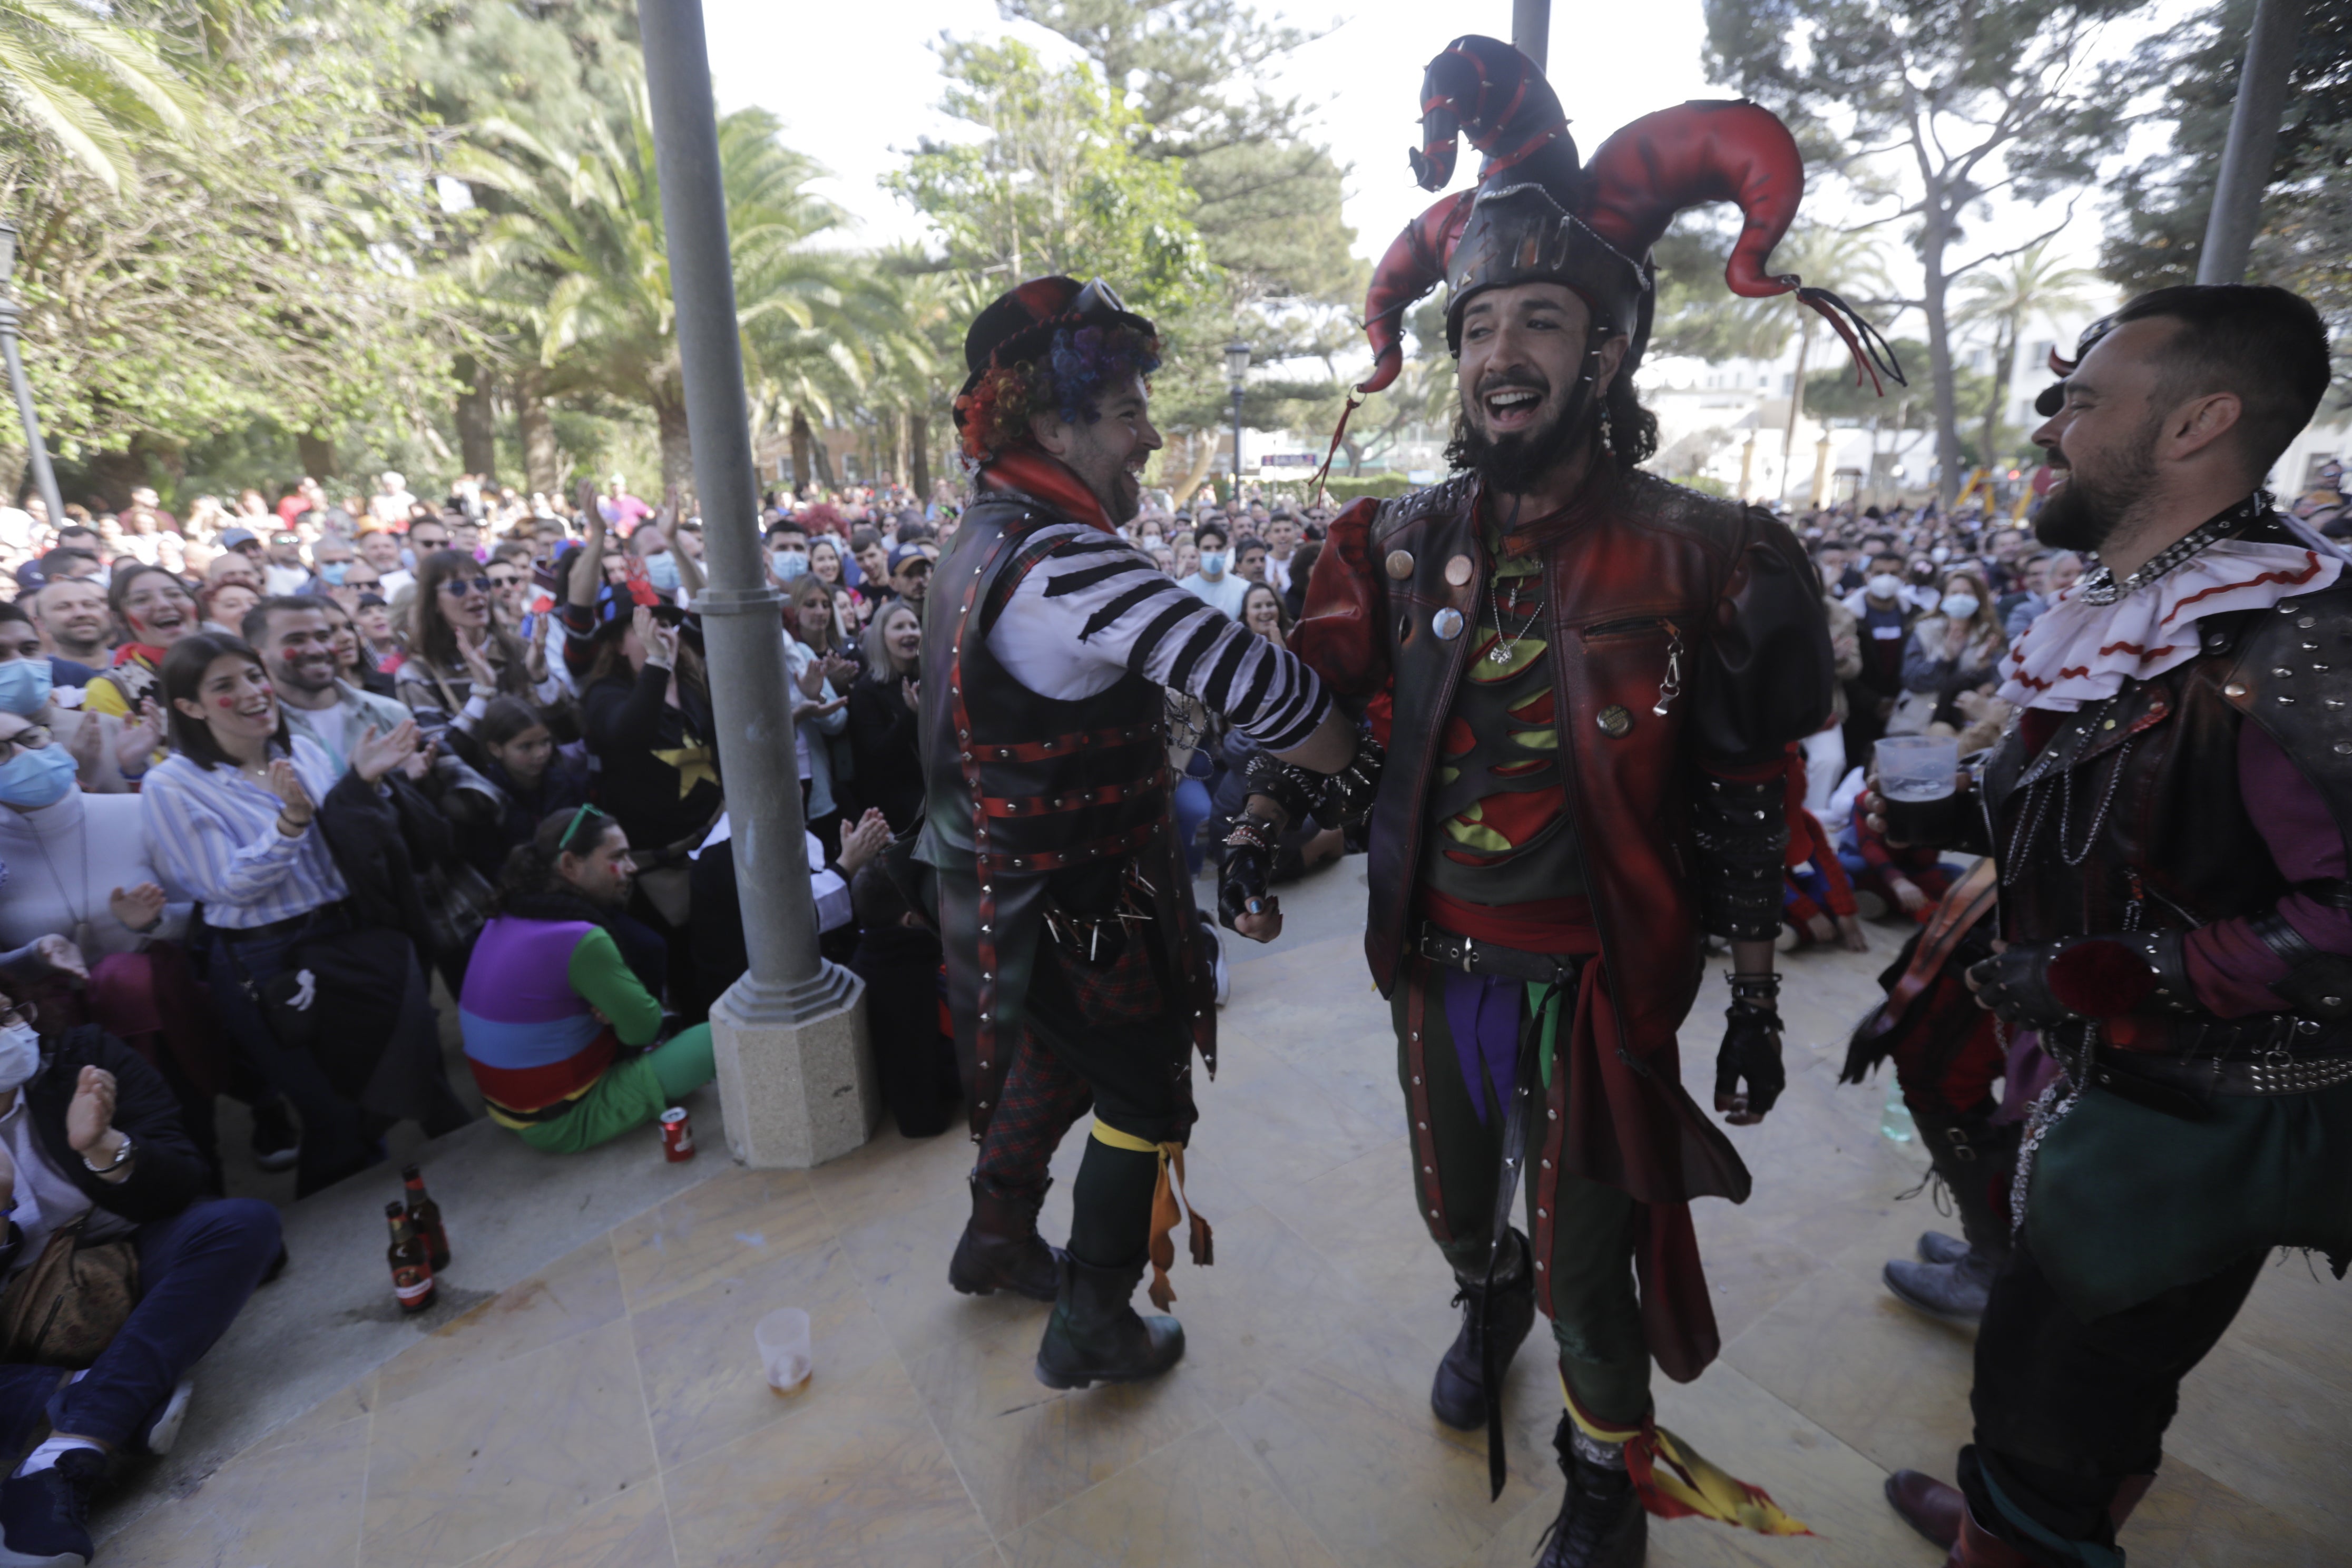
(2203, 1076)
(1472, 956)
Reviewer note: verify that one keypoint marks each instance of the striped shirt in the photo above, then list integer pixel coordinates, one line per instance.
(215, 832)
(1096, 607)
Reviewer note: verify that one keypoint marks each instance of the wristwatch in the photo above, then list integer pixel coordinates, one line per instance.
(121, 1155)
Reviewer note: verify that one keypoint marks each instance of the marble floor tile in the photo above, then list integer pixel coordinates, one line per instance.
(511, 1449)
(709, 1231)
(901, 1261)
(862, 1481)
(2188, 1519)
(1199, 1501)
(1361, 1218)
(891, 1173)
(348, 1402)
(2301, 1314)
(2267, 1430)
(1350, 1442)
(1267, 1127)
(579, 1291)
(630, 1531)
(291, 1506)
(1024, 1448)
(703, 1382)
(1881, 1378)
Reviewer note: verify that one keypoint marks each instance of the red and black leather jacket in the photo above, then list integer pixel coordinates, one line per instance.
(1675, 795)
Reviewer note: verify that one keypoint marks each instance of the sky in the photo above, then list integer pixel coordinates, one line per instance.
(856, 96)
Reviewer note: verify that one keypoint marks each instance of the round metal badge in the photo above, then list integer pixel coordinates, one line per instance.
(1446, 624)
(1615, 720)
(1399, 563)
(1458, 571)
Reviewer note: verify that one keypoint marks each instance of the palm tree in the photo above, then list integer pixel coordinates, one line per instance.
(1843, 262)
(576, 264)
(73, 74)
(2031, 285)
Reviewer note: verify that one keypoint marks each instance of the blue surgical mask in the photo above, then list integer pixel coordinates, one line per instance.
(661, 571)
(33, 779)
(332, 572)
(24, 686)
(20, 1056)
(789, 563)
(1213, 563)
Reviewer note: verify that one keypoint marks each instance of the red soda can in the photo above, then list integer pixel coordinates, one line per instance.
(677, 1135)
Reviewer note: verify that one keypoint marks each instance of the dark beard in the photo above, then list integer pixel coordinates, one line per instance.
(2086, 511)
(1512, 464)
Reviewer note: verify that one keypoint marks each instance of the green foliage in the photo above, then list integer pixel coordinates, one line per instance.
(2159, 217)
(268, 274)
(90, 83)
(1963, 102)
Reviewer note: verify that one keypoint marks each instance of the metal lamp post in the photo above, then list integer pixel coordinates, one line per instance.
(795, 1078)
(1237, 362)
(43, 475)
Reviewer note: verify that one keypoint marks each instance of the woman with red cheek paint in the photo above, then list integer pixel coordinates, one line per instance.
(156, 610)
(233, 816)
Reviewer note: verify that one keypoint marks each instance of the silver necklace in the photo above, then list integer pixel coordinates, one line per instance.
(1506, 644)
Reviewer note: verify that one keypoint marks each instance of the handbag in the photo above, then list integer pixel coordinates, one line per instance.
(338, 1001)
(458, 900)
(70, 1303)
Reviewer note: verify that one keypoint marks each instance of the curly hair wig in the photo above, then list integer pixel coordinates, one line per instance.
(1068, 378)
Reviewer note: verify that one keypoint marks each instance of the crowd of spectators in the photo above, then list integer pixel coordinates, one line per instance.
(287, 789)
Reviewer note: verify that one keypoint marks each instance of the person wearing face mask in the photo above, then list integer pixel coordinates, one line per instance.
(91, 1145)
(1214, 583)
(108, 752)
(84, 873)
(1955, 649)
(787, 553)
(1883, 617)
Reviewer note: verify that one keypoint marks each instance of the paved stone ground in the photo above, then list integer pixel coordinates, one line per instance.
(590, 1395)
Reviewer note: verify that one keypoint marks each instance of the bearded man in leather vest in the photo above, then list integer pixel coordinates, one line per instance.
(1586, 680)
(1076, 973)
(2168, 813)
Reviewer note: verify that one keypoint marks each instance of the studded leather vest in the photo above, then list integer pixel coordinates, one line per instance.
(2131, 818)
(1033, 801)
(1648, 580)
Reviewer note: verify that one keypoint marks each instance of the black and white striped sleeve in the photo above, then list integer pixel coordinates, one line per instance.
(1093, 607)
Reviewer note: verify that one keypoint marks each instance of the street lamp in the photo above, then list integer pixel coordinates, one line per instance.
(1237, 358)
(38, 454)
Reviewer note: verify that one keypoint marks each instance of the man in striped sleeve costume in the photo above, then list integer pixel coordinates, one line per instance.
(1075, 968)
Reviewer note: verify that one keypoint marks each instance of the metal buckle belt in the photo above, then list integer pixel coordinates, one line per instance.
(2281, 1074)
(1472, 956)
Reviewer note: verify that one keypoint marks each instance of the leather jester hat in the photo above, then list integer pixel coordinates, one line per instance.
(1538, 214)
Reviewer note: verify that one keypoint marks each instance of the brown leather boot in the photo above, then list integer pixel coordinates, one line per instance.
(1001, 1250)
(1927, 1505)
(1980, 1547)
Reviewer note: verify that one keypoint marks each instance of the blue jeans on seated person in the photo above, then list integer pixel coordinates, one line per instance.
(196, 1271)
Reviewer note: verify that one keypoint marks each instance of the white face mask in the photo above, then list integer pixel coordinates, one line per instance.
(20, 1056)
(1960, 606)
(1941, 554)
(1884, 585)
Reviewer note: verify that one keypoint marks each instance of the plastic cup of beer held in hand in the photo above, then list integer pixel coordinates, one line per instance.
(784, 1339)
(1918, 780)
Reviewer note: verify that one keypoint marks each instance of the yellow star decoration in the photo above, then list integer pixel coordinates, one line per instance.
(692, 762)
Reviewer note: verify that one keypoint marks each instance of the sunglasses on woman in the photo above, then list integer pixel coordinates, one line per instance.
(461, 587)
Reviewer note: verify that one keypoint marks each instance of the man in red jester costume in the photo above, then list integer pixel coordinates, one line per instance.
(1585, 679)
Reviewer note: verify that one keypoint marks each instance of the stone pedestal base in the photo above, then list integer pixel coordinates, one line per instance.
(795, 1092)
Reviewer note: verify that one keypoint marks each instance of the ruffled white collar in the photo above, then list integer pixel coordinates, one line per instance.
(2077, 652)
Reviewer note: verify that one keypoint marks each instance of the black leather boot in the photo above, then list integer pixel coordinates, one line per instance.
(1001, 1250)
(1095, 1336)
(1459, 1393)
(1602, 1523)
(1974, 1160)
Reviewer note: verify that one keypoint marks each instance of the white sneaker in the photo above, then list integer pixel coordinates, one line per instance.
(1217, 962)
(164, 1430)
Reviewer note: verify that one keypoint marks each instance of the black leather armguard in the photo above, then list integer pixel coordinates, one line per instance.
(1348, 794)
(2317, 985)
(1741, 831)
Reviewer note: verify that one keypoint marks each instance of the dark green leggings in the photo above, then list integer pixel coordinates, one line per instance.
(1596, 1316)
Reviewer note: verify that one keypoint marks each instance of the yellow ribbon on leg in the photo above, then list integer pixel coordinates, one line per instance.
(1169, 1206)
(1675, 1480)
